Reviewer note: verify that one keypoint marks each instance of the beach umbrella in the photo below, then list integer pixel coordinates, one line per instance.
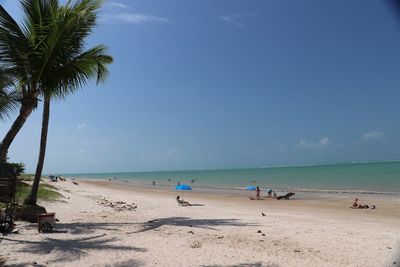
(183, 187)
(251, 188)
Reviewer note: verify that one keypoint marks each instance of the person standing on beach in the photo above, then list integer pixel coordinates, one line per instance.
(258, 192)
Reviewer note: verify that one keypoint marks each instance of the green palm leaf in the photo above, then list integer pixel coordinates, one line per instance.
(9, 98)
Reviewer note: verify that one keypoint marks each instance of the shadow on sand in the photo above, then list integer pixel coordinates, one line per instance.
(128, 263)
(189, 222)
(68, 250)
(72, 249)
(256, 264)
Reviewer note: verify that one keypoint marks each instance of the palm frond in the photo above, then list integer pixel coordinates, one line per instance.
(90, 64)
(9, 97)
(9, 103)
(14, 46)
(47, 52)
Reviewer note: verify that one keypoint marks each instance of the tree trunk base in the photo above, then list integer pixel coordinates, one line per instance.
(28, 213)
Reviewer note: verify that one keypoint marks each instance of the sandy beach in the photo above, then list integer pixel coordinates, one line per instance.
(104, 223)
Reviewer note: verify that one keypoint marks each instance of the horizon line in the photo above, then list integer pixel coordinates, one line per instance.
(239, 168)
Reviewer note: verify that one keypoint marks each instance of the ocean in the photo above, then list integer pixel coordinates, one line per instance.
(371, 178)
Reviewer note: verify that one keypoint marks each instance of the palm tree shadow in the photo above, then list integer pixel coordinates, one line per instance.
(185, 221)
(25, 264)
(71, 249)
(79, 228)
(255, 264)
(128, 263)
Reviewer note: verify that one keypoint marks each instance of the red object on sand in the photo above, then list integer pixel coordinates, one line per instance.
(46, 222)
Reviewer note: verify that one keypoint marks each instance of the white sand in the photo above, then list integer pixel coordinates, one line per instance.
(222, 231)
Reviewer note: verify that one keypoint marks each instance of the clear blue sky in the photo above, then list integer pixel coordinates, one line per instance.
(229, 83)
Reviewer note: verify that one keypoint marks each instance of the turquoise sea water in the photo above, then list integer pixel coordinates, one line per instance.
(376, 177)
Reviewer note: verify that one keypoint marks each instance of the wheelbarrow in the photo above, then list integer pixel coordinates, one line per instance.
(46, 222)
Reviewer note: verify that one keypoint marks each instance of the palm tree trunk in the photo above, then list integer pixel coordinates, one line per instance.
(31, 199)
(26, 109)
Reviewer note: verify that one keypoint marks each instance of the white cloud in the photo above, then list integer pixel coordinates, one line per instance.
(113, 4)
(373, 135)
(117, 12)
(323, 142)
(133, 18)
(81, 126)
(236, 19)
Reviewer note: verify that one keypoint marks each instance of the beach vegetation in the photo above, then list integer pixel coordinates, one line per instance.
(19, 168)
(46, 192)
(26, 177)
(29, 213)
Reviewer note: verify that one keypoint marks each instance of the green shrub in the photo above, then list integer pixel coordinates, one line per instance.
(18, 167)
(46, 192)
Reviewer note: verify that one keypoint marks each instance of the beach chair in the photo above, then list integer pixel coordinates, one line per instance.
(52, 178)
(287, 196)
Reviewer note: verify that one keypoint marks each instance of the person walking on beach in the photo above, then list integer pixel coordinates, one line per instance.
(258, 192)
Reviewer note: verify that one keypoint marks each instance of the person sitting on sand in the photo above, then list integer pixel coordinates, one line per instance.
(182, 202)
(355, 205)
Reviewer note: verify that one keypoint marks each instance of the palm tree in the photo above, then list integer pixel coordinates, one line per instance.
(73, 65)
(33, 53)
(18, 55)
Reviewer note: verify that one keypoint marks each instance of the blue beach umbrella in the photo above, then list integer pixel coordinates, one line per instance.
(251, 188)
(183, 187)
